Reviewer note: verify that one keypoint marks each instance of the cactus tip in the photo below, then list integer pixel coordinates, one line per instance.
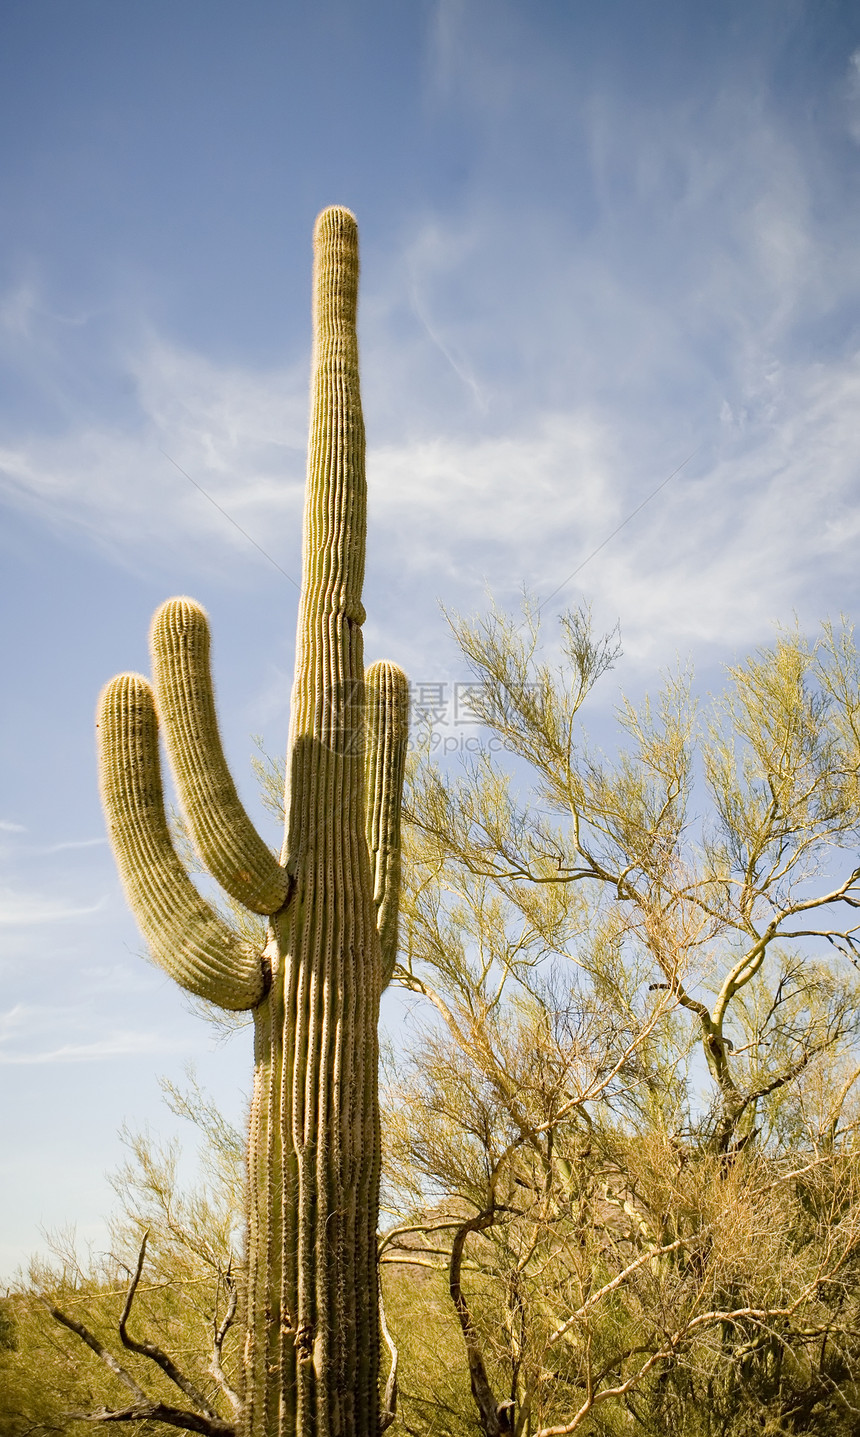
(336, 223)
(177, 613)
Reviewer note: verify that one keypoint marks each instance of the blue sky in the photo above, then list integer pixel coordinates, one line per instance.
(596, 240)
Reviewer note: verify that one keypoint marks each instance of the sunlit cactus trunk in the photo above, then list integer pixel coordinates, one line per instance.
(312, 1342)
(314, 1139)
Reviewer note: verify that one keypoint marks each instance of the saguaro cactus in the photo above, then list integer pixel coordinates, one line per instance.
(312, 1344)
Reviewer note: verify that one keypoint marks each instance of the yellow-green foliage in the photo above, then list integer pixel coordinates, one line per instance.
(635, 1105)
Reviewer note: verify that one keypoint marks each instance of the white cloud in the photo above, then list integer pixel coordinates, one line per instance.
(762, 524)
(763, 520)
(853, 96)
(123, 1043)
(518, 416)
(69, 845)
(17, 308)
(40, 1034)
(512, 490)
(41, 850)
(239, 435)
(13, 1020)
(28, 910)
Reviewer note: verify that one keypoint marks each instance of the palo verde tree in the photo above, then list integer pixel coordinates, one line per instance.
(312, 1343)
(762, 880)
(626, 1140)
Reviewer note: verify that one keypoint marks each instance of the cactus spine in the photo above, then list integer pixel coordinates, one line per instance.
(312, 1342)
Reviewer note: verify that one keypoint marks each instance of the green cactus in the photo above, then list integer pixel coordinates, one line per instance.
(312, 1343)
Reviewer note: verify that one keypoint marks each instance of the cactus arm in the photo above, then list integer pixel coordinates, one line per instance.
(223, 834)
(186, 937)
(387, 709)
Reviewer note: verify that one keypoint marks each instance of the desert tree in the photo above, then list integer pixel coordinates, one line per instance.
(624, 1141)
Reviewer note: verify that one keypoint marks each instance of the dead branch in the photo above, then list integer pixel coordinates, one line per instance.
(221, 1330)
(159, 1412)
(389, 1401)
(155, 1353)
(144, 1408)
(495, 1416)
(98, 1348)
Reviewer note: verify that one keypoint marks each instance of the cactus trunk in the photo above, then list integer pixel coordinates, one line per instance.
(315, 1127)
(312, 1341)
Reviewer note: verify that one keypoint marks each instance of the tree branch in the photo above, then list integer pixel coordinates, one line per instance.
(98, 1348)
(220, 1333)
(389, 1400)
(155, 1353)
(160, 1412)
(495, 1417)
(144, 1408)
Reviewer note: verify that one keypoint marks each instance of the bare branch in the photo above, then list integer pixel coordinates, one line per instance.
(160, 1412)
(495, 1416)
(221, 1331)
(98, 1348)
(423, 1227)
(389, 1400)
(669, 1350)
(144, 1408)
(155, 1353)
(616, 1282)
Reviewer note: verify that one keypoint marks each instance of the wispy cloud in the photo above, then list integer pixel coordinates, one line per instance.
(764, 520)
(43, 850)
(17, 308)
(853, 96)
(39, 1034)
(240, 435)
(13, 1020)
(532, 374)
(120, 1044)
(70, 844)
(30, 910)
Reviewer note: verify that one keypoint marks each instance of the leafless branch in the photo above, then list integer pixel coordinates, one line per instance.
(155, 1353)
(98, 1348)
(495, 1416)
(144, 1408)
(617, 1281)
(159, 1412)
(220, 1333)
(422, 1227)
(389, 1400)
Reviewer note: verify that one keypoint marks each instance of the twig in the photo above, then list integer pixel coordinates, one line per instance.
(389, 1401)
(221, 1331)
